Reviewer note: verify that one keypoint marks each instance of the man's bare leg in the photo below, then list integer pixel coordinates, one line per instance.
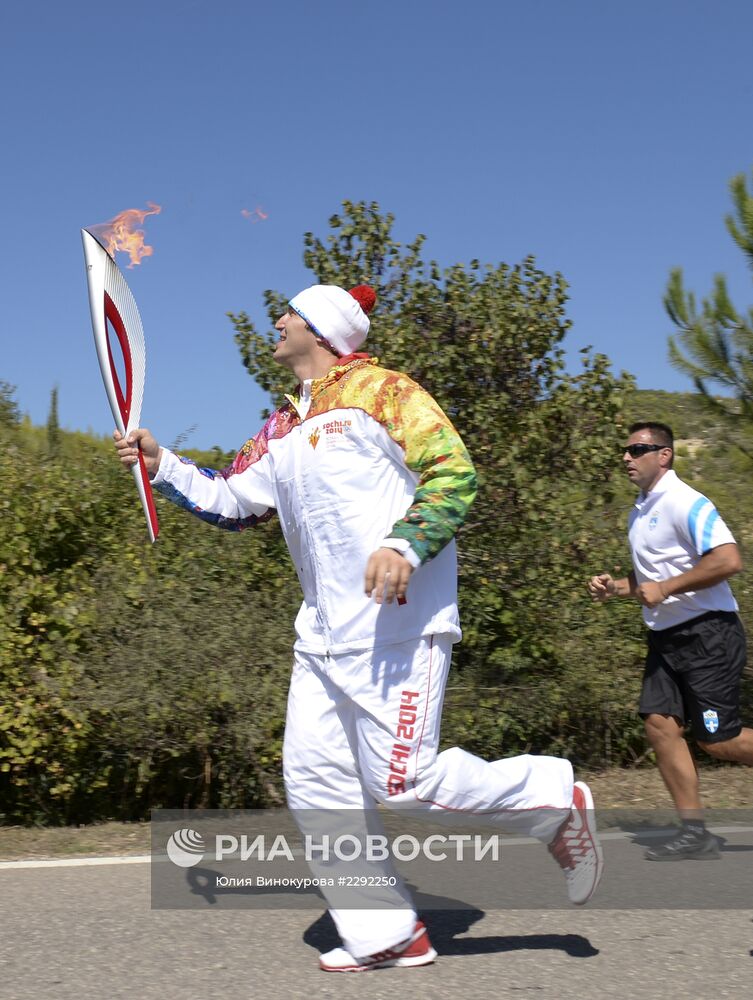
(739, 749)
(678, 769)
(676, 764)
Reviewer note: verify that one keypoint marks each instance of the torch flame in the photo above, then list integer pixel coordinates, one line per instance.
(122, 234)
(258, 214)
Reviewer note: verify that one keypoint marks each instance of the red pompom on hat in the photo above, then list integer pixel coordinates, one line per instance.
(365, 296)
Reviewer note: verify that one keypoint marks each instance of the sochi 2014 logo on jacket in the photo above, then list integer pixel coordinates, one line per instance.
(711, 720)
(337, 427)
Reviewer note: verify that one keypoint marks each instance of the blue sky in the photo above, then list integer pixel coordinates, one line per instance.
(598, 136)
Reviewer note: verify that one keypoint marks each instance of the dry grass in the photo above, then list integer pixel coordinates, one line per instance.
(17, 843)
(729, 787)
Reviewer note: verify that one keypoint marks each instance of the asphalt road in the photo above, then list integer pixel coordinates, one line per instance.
(89, 933)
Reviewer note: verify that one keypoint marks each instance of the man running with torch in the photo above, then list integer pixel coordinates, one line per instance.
(371, 482)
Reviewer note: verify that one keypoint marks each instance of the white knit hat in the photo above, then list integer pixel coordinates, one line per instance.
(339, 317)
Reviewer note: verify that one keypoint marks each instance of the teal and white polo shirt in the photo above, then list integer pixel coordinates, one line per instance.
(669, 529)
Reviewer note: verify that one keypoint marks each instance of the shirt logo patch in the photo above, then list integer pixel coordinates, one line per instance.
(653, 522)
(711, 720)
(337, 427)
(314, 437)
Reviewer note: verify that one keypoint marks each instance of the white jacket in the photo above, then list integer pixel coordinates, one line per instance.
(363, 458)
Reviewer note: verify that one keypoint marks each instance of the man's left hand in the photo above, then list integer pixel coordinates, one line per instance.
(650, 594)
(387, 576)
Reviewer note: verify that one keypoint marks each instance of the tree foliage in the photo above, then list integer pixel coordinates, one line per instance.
(125, 675)
(9, 412)
(714, 344)
(53, 424)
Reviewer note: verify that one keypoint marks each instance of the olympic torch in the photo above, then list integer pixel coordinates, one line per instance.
(114, 307)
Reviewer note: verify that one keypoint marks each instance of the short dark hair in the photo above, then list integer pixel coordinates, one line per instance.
(660, 434)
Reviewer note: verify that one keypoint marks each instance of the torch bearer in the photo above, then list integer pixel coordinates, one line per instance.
(111, 302)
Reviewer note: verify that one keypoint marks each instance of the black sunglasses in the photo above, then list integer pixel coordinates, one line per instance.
(639, 450)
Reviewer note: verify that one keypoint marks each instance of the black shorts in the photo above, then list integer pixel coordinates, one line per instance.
(693, 672)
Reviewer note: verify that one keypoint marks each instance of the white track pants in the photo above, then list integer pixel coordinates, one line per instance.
(363, 728)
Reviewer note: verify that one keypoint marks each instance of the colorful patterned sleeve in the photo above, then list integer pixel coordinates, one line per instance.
(434, 451)
(234, 498)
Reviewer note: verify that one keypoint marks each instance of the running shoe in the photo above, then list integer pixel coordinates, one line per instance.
(416, 950)
(576, 847)
(685, 846)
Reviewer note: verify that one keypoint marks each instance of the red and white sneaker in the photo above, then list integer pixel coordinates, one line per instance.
(416, 950)
(576, 847)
